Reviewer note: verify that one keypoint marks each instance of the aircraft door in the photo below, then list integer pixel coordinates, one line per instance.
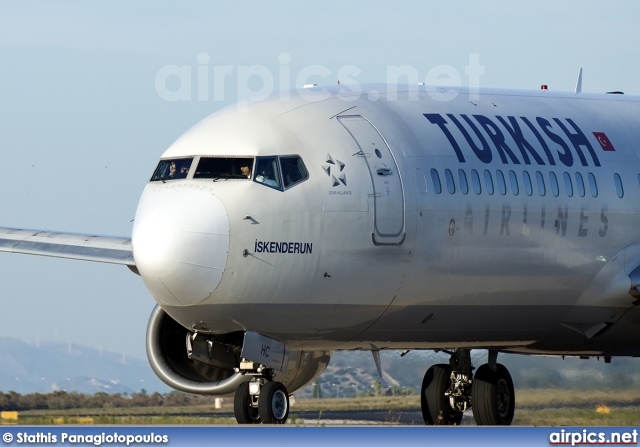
(388, 195)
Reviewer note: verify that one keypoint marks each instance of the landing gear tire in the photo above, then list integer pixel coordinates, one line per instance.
(242, 409)
(493, 396)
(273, 404)
(436, 408)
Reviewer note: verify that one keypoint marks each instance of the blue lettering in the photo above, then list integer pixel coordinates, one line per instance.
(578, 139)
(436, 118)
(543, 143)
(483, 151)
(484, 154)
(516, 133)
(565, 157)
(283, 247)
(497, 138)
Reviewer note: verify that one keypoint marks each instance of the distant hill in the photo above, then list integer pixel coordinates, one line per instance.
(27, 368)
(355, 372)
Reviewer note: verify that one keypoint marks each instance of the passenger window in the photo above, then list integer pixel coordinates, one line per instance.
(267, 172)
(542, 190)
(593, 185)
(451, 187)
(514, 183)
(528, 187)
(224, 168)
(174, 169)
(567, 184)
(293, 170)
(477, 187)
(580, 184)
(435, 179)
(502, 186)
(618, 180)
(555, 188)
(464, 186)
(488, 180)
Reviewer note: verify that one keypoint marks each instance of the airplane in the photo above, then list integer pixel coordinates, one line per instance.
(412, 217)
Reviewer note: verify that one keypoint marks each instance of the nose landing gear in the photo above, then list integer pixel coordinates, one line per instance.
(261, 401)
(273, 404)
(245, 406)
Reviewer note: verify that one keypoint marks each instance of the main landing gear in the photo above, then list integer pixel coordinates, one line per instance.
(261, 401)
(448, 390)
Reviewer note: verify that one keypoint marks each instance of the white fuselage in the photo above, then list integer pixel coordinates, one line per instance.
(367, 252)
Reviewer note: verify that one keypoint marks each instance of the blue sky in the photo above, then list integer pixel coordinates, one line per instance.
(82, 123)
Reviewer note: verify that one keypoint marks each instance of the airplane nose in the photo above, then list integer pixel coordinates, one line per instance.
(180, 241)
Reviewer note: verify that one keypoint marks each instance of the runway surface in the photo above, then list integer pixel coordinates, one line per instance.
(358, 417)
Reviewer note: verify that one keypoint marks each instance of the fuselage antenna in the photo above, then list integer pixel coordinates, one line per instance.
(579, 82)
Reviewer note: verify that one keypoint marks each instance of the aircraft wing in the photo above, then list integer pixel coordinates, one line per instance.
(112, 250)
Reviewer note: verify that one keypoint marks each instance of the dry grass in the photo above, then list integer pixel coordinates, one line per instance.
(628, 416)
(554, 398)
(577, 407)
(549, 407)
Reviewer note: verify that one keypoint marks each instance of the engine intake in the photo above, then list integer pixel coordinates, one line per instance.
(205, 365)
(169, 359)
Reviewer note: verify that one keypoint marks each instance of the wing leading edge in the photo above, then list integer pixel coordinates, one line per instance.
(112, 250)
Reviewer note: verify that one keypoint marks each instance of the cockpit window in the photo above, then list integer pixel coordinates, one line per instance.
(267, 172)
(278, 172)
(293, 170)
(224, 168)
(174, 169)
(282, 172)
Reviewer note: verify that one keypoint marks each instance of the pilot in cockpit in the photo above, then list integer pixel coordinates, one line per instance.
(266, 180)
(265, 173)
(178, 170)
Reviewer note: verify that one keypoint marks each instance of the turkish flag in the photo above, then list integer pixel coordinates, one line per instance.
(604, 141)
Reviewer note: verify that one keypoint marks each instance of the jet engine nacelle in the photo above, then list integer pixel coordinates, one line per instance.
(204, 364)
